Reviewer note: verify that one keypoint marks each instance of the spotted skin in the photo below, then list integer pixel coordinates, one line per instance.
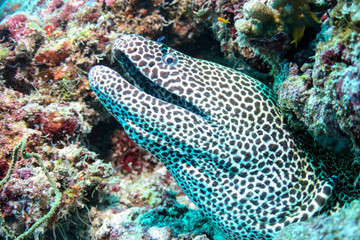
(218, 132)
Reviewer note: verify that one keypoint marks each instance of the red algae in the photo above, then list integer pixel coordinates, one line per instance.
(55, 128)
(127, 156)
(16, 24)
(53, 56)
(4, 166)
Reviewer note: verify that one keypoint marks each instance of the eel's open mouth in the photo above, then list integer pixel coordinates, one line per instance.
(135, 77)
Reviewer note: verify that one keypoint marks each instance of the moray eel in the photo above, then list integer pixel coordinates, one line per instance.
(218, 132)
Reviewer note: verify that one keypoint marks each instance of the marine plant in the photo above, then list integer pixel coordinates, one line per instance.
(20, 148)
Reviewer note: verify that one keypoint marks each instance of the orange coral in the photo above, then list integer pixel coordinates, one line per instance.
(49, 29)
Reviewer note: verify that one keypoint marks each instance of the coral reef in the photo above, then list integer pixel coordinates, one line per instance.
(322, 96)
(25, 175)
(264, 20)
(146, 205)
(180, 219)
(128, 157)
(46, 50)
(343, 224)
(269, 28)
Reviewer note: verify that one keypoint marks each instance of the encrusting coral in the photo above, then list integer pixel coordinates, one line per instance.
(20, 148)
(323, 95)
(341, 225)
(270, 27)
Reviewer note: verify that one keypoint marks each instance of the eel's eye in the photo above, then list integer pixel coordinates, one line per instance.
(169, 59)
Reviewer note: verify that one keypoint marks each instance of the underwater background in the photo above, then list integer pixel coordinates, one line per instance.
(78, 176)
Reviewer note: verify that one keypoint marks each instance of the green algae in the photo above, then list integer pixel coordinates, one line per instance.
(181, 219)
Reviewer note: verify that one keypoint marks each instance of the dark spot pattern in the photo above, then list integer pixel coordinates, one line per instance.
(242, 169)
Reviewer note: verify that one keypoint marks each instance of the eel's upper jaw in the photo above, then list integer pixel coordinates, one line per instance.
(119, 55)
(124, 39)
(144, 83)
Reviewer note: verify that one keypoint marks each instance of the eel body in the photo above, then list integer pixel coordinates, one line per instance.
(218, 132)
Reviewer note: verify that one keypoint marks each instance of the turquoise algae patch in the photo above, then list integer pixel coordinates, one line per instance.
(181, 219)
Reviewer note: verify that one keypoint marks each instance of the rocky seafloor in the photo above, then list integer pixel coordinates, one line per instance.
(306, 51)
